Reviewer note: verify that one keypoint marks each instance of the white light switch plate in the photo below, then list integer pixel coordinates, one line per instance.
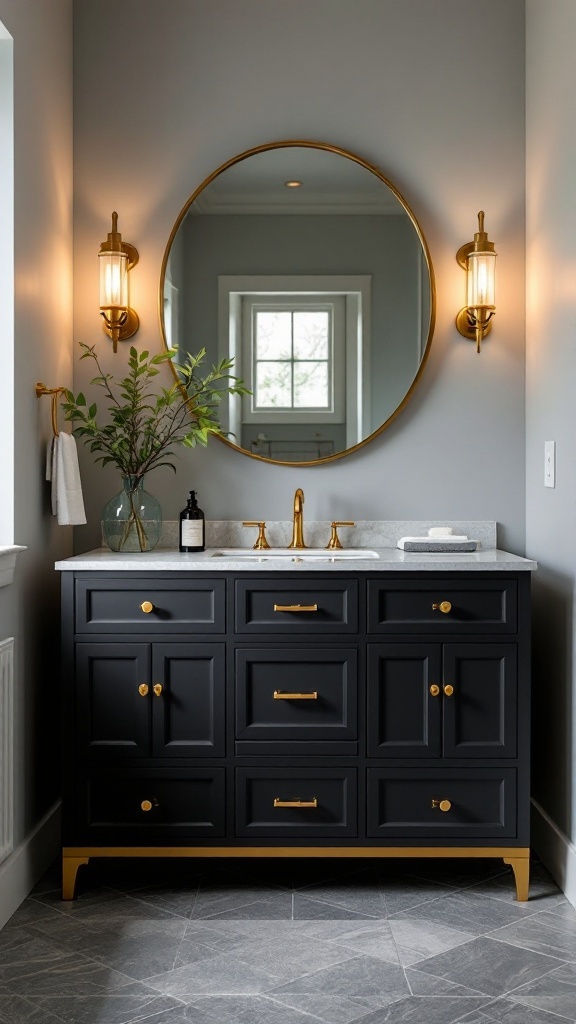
(549, 463)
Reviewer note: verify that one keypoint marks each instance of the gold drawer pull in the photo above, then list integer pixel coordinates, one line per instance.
(448, 690)
(444, 805)
(295, 803)
(157, 689)
(143, 689)
(434, 690)
(295, 607)
(148, 805)
(147, 607)
(444, 606)
(282, 695)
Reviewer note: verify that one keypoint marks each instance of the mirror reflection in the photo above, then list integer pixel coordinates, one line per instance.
(304, 264)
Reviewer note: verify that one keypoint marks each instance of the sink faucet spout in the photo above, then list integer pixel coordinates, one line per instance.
(298, 521)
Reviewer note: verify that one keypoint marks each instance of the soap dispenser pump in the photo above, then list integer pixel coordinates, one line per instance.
(192, 526)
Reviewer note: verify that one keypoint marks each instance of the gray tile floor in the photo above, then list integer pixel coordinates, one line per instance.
(291, 942)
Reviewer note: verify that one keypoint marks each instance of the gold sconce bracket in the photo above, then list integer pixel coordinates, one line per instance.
(467, 325)
(126, 327)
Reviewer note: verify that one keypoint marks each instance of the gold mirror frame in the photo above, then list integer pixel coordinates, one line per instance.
(327, 147)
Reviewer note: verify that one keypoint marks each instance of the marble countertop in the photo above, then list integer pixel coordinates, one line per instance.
(216, 560)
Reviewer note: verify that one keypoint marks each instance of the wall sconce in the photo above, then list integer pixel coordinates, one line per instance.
(478, 259)
(116, 258)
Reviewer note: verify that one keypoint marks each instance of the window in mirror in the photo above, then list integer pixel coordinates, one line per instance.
(302, 344)
(295, 349)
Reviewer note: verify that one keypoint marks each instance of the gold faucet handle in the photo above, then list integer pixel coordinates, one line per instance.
(260, 543)
(334, 541)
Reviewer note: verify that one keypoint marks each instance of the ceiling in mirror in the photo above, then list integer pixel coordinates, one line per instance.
(303, 263)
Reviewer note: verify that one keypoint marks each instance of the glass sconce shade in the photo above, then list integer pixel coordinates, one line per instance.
(481, 274)
(113, 280)
(115, 259)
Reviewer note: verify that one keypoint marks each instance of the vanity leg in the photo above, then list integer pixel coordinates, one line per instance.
(521, 868)
(70, 867)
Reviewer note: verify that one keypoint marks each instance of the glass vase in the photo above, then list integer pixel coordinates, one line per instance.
(132, 519)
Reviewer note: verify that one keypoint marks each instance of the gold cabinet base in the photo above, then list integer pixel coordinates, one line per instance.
(517, 857)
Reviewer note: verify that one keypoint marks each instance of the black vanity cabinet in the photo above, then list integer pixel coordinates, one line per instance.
(313, 713)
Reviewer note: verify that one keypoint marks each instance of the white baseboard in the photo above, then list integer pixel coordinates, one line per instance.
(555, 850)
(28, 862)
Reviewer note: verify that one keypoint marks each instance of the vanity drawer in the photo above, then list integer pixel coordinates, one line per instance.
(304, 694)
(323, 802)
(152, 804)
(178, 606)
(481, 803)
(469, 606)
(296, 606)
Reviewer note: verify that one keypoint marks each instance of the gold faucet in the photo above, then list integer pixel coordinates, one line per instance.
(297, 528)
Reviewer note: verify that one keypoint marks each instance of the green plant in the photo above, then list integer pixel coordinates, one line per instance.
(143, 425)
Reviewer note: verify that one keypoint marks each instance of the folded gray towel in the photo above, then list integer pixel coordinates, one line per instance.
(447, 545)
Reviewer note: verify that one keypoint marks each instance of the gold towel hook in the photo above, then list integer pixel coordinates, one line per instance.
(40, 390)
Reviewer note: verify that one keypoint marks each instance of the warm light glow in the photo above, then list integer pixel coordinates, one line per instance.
(481, 275)
(293, 184)
(113, 280)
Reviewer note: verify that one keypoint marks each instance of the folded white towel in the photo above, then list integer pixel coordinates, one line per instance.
(63, 471)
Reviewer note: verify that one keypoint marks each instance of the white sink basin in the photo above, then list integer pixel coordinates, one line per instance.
(295, 554)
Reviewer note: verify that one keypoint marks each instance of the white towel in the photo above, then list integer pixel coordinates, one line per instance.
(62, 469)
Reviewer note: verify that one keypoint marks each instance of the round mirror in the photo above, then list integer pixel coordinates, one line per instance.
(305, 265)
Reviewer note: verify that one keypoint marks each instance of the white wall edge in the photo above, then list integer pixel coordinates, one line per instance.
(8, 555)
(555, 850)
(28, 862)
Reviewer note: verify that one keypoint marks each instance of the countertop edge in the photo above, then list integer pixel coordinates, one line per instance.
(389, 560)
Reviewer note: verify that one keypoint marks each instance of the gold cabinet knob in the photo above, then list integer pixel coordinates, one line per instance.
(143, 689)
(448, 690)
(148, 805)
(444, 607)
(444, 805)
(147, 607)
(157, 689)
(434, 690)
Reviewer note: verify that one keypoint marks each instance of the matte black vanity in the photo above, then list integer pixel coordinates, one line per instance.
(301, 713)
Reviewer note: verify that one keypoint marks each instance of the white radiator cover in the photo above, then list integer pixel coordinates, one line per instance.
(6, 747)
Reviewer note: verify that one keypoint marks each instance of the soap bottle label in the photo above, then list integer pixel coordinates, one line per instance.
(192, 533)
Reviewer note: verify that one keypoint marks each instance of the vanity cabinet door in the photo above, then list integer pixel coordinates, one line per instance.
(404, 703)
(138, 606)
(443, 605)
(450, 700)
(442, 803)
(479, 700)
(307, 694)
(297, 607)
(112, 700)
(141, 805)
(295, 802)
(188, 700)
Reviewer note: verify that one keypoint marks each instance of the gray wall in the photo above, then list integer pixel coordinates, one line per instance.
(42, 35)
(202, 80)
(551, 410)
